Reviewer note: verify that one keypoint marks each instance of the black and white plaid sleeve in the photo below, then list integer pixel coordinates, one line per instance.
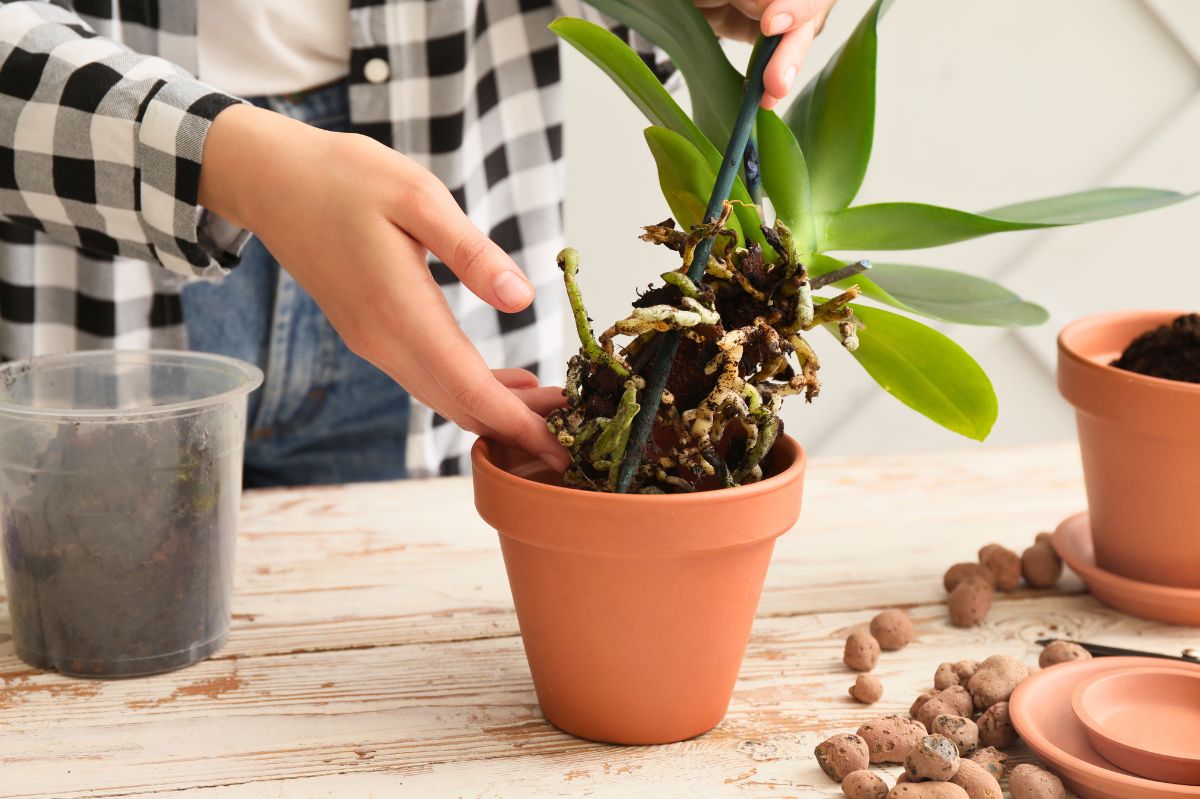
(100, 147)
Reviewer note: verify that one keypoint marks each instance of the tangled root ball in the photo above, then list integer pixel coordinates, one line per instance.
(861, 652)
(892, 629)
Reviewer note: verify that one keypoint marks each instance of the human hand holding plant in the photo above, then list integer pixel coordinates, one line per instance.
(796, 21)
(352, 221)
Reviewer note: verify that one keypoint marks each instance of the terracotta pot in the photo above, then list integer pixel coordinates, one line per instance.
(635, 610)
(1140, 441)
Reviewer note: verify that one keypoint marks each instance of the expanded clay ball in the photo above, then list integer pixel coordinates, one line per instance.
(977, 781)
(891, 738)
(862, 651)
(927, 790)
(1062, 652)
(970, 602)
(841, 755)
(995, 727)
(992, 759)
(954, 701)
(1041, 566)
(935, 757)
(962, 731)
(1031, 782)
(961, 571)
(995, 680)
(867, 689)
(864, 784)
(1003, 563)
(892, 629)
(919, 702)
(951, 674)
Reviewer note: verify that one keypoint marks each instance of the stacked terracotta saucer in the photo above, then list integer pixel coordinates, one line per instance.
(1115, 727)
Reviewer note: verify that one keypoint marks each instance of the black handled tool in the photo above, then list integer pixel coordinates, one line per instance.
(1101, 651)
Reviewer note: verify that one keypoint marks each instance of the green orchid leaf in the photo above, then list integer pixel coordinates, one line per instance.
(834, 117)
(908, 226)
(677, 27)
(942, 294)
(630, 73)
(684, 176)
(687, 178)
(785, 178)
(635, 79)
(1088, 206)
(926, 371)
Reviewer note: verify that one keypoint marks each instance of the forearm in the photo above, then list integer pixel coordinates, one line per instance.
(105, 145)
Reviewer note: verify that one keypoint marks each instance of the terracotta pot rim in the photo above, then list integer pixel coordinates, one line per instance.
(788, 446)
(1107, 372)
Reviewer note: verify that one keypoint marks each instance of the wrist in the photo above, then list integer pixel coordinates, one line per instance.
(246, 147)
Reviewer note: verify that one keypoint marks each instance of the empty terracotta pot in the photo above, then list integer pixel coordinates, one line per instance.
(1140, 441)
(635, 610)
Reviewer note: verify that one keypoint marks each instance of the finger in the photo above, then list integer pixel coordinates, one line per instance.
(431, 216)
(783, 16)
(516, 378)
(785, 65)
(729, 23)
(475, 399)
(541, 400)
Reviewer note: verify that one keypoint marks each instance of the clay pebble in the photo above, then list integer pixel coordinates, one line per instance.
(970, 602)
(861, 652)
(935, 757)
(867, 689)
(1003, 563)
(1062, 652)
(864, 784)
(841, 755)
(1031, 782)
(891, 738)
(892, 629)
(977, 781)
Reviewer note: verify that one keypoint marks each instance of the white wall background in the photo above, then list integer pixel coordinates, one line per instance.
(979, 104)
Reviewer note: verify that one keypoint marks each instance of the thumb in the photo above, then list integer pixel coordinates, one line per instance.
(483, 267)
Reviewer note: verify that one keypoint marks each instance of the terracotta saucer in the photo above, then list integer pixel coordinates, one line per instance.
(1145, 720)
(1041, 711)
(1073, 541)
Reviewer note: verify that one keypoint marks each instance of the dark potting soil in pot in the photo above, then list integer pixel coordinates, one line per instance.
(1170, 351)
(119, 556)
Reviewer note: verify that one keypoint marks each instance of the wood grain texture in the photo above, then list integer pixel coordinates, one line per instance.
(375, 651)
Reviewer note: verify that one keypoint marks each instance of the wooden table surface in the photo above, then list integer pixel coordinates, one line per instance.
(375, 652)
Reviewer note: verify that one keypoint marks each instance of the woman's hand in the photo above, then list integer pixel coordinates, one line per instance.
(352, 221)
(799, 21)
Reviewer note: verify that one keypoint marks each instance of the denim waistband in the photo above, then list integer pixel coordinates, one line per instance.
(323, 106)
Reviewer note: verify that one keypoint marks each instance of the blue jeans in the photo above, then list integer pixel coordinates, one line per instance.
(323, 415)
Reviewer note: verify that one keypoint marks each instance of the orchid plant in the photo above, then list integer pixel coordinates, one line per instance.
(745, 321)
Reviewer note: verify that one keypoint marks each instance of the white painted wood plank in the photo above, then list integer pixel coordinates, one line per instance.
(375, 650)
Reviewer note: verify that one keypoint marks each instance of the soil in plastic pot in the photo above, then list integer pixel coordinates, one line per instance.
(118, 557)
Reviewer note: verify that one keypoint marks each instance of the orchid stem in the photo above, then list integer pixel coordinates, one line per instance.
(643, 423)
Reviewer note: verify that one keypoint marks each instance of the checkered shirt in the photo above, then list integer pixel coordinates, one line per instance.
(101, 134)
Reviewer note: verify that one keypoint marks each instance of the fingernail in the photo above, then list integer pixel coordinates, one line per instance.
(789, 78)
(512, 289)
(779, 23)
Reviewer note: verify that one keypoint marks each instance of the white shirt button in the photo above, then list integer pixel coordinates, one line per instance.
(377, 70)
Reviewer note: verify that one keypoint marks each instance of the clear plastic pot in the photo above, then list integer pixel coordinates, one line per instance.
(120, 478)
